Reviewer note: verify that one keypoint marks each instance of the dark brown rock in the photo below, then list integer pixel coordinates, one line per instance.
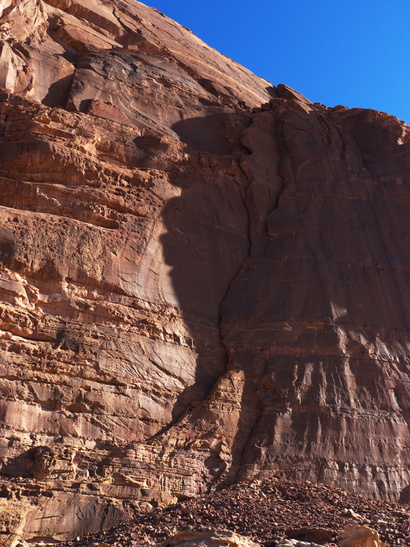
(405, 495)
(316, 535)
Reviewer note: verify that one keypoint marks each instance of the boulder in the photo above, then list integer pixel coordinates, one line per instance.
(355, 535)
(209, 539)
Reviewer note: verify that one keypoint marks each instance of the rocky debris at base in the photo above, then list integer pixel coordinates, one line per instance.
(268, 513)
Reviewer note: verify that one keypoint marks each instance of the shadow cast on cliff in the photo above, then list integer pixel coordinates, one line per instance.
(190, 248)
(330, 303)
(58, 92)
(206, 243)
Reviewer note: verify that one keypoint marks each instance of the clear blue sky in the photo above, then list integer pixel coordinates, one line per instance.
(355, 53)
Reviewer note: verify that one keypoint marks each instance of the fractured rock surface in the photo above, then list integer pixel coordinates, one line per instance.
(203, 277)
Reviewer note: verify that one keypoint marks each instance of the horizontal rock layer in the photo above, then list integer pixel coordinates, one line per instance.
(203, 277)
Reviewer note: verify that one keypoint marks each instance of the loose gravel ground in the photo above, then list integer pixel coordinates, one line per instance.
(265, 511)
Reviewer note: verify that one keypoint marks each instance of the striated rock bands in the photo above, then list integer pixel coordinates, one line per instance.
(203, 277)
(325, 301)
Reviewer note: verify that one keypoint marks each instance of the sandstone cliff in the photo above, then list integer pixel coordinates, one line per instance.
(204, 277)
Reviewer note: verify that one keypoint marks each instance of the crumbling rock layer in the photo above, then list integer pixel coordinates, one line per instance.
(203, 277)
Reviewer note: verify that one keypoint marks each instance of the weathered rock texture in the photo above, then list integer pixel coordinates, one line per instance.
(360, 536)
(194, 287)
(209, 539)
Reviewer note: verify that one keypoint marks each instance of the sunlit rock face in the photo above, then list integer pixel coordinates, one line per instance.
(204, 277)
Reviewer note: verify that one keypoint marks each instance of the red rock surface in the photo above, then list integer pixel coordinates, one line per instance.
(203, 277)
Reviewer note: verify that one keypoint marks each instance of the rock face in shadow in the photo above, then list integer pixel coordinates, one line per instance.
(203, 277)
